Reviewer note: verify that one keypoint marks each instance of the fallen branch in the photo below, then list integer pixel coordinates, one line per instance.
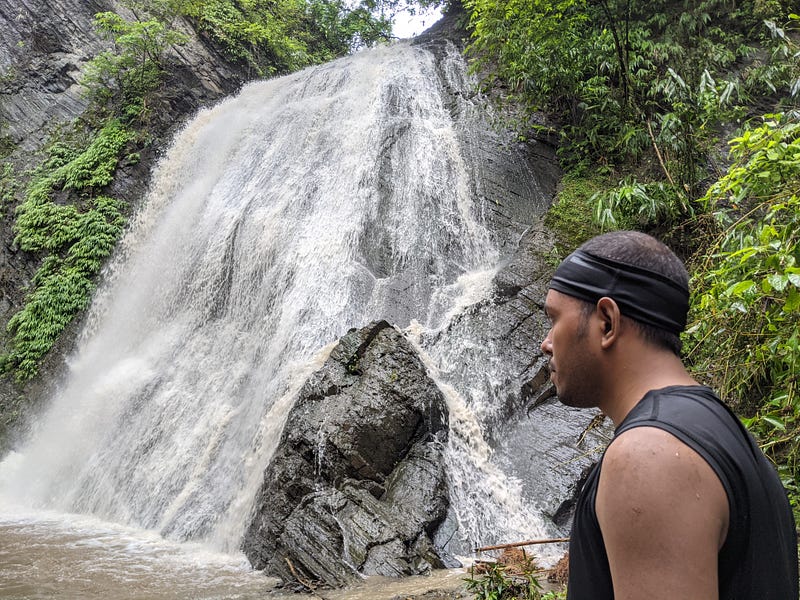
(306, 584)
(527, 543)
(596, 421)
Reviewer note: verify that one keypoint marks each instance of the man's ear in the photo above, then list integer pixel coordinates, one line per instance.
(610, 319)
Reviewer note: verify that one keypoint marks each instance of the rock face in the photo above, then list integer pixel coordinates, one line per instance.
(548, 446)
(544, 444)
(515, 179)
(44, 48)
(357, 485)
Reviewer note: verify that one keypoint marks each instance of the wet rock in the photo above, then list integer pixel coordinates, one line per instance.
(543, 444)
(515, 179)
(548, 446)
(357, 484)
(45, 47)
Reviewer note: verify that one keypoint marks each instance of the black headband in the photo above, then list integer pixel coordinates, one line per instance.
(641, 294)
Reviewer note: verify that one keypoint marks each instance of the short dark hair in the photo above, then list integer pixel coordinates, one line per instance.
(642, 250)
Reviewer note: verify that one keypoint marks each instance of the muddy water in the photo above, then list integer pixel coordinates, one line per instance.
(49, 555)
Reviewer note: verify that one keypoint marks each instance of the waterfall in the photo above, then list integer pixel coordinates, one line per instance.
(279, 219)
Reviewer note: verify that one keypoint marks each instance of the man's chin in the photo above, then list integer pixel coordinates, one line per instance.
(569, 400)
(565, 400)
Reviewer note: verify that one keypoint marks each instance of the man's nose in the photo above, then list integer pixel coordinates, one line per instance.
(547, 344)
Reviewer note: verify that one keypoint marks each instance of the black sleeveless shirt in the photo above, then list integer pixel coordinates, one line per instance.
(758, 560)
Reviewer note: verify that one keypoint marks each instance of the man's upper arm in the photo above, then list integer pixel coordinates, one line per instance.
(664, 515)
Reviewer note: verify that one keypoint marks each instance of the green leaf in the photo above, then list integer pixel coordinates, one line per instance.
(775, 422)
(778, 281)
(792, 302)
(740, 288)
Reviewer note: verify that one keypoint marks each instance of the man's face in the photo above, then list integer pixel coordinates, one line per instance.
(573, 367)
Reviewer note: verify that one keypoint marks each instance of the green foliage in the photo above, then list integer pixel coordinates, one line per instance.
(62, 218)
(631, 80)
(530, 47)
(143, 41)
(280, 36)
(74, 238)
(62, 286)
(636, 205)
(744, 336)
(124, 78)
(568, 217)
(687, 126)
(498, 582)
(780, 71)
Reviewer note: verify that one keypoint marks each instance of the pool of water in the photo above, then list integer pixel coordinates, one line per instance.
(51, 555)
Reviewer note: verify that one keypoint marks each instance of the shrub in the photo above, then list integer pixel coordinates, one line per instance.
(636, 205)
(123, 79)
(743, 336)
(514, 575)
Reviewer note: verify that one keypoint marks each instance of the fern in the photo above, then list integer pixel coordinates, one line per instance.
(75, 238)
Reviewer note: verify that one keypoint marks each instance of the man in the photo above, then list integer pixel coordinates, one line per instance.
(683, 504)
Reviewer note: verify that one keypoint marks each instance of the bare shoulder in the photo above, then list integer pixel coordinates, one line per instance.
(663, 513)
(656, 452)
(653, 474)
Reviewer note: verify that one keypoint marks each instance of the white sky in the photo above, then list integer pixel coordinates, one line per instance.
(406, 26)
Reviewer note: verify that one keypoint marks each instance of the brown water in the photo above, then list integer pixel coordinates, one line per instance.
(77, 558)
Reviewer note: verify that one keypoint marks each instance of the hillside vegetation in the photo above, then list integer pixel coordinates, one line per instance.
(680, 119)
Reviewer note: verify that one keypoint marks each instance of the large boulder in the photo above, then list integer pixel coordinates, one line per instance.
(357, 483)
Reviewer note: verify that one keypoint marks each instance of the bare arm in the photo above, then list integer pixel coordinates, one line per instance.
(664, 515)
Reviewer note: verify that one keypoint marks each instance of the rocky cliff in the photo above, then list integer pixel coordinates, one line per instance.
(44, 49)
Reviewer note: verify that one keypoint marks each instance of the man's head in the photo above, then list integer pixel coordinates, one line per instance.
(645, 252)
(643, 276)
(627, 273)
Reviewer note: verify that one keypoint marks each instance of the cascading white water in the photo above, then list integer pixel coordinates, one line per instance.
(279, 219)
